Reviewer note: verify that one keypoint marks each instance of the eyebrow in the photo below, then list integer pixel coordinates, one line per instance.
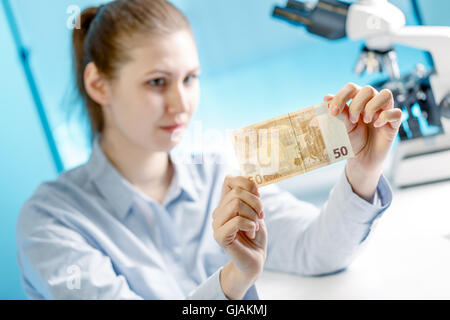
(169, 73)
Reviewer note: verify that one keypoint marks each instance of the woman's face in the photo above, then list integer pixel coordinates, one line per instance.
(155, 94)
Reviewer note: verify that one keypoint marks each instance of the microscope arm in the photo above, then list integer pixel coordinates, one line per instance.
(381, 25)
(435, 40)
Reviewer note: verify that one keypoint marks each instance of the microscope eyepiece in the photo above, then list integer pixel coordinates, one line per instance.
(326, 18)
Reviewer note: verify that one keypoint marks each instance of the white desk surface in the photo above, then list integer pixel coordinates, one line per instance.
(406, 257)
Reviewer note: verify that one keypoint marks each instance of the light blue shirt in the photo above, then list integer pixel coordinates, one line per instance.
(91, 235)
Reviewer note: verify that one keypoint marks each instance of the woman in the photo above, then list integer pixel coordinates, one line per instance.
(132, 223)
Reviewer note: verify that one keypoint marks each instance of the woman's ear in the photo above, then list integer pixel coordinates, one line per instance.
(95, 84)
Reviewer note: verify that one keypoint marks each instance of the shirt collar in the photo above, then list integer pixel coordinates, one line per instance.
(184, 177)
(120, 193)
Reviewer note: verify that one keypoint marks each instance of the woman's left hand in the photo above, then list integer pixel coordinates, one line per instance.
(372, 124)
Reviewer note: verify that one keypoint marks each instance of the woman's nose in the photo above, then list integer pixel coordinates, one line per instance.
(177, 101)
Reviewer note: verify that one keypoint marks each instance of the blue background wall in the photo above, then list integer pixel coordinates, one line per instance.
(25, 160)
(253, 66)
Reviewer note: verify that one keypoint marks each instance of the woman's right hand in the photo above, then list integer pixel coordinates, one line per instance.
(240, 230)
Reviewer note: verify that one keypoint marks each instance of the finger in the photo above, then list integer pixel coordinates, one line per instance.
(227, 233)
(348, 124)
(328, 98)
(248, 198)
(346, 115)
(232, 182)
(338, 103)
(382, 101)
(235, 207)
(392, 116)
(225, 187)
(260, 235)
(376, 115)
(359, 102)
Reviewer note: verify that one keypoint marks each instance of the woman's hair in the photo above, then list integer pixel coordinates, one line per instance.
(105, 35)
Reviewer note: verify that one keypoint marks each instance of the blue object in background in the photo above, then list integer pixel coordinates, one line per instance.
(25, 158)
(24, 59)
(253, 65)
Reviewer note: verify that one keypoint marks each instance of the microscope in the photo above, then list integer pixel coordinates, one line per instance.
(423, 95)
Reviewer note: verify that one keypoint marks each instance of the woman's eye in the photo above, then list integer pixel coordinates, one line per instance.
(190, 78)
(157, 82)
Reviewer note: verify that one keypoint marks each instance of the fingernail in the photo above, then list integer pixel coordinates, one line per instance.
(366, 119)
(354, 118)
(377, 124)
(257, 226)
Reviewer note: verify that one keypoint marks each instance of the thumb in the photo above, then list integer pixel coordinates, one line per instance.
(261, 235)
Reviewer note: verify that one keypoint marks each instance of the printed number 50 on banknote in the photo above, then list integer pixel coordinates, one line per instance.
(291, 144)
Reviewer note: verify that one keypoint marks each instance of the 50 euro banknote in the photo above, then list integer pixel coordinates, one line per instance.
(292, 144)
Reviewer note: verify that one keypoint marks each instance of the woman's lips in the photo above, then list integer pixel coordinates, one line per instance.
(173, 127)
